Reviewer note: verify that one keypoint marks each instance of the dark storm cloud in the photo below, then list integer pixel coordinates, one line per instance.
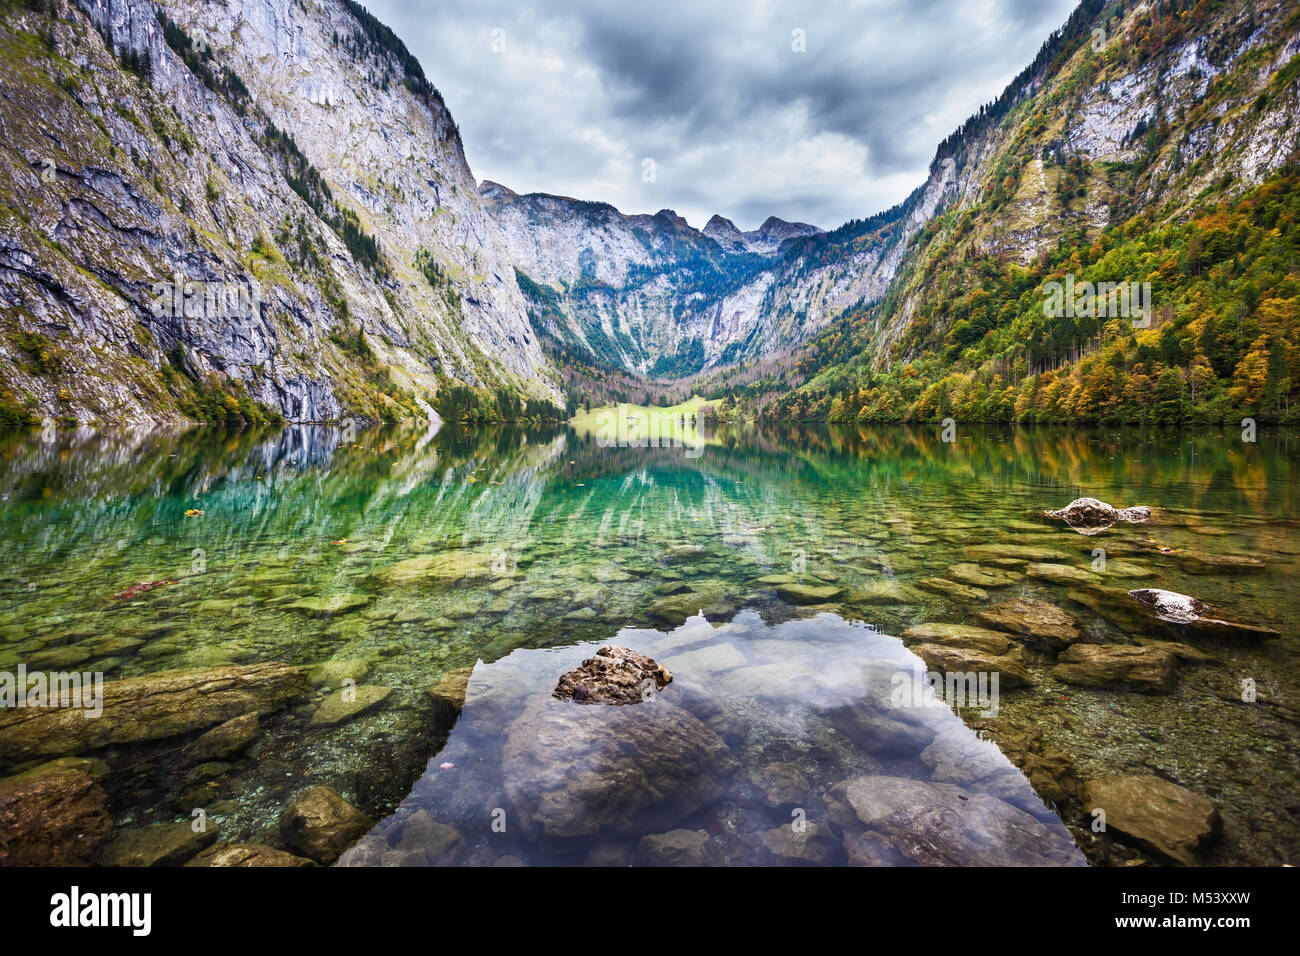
(577, 96)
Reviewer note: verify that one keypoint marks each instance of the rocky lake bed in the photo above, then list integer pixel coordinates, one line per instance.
(317, 652)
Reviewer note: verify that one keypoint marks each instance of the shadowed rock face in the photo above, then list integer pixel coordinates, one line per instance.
(614, 675)
(1090, 516)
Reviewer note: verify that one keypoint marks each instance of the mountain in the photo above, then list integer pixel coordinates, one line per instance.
(254, 208)
(1151, 146)
(644, 293)
(766, 240)
(261, 209)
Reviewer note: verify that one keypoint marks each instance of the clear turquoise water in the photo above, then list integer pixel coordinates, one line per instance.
(568, 545)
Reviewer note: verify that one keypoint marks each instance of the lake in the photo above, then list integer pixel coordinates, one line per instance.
(427, 589)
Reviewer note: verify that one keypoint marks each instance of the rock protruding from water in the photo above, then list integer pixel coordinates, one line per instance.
(1090, 516)
(614, 675)
(1186, 613)
(1154, 813)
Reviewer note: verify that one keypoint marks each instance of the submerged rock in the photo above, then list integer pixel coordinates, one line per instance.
(960, 635)
(1049, 770)
(436, 570)
(52, 815)
(809, 593)
(808, 842)
(162, 844)
(322, 824)
(980, 577)
(1149, 670)
(224, 740)
(941, 824)
(330, 605)
(781, 784)
(882, 591)
(247, 854)
(1189, 614)
(429, 842)
(955, 658)
(448, 697)
(578, 771)
(343, 705)
(1089, 516)
(1043, 624)
(674, 848)
(614, 675)
(152, 708)
(961, 592)
(1154, 813)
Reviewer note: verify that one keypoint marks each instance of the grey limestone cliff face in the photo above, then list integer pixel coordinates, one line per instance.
(153, 220)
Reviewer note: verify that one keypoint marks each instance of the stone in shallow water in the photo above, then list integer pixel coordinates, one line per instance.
(961, 635)
(1154, 813)
(676, 608)
(52, 815)
(1089, 516)
(247, 854)
(330, 605)
(1020, 552)
(1049, 770)
(960, 592)
(958, 756)
(782, 784)
(674, 848)
(940, 824)
(1149, 670)
(448, 697)
(322, 824)
(333, 673)
(812, 843)
(438, 843)
(614, 675)
(809, 593)
(883, 731)
(345, 704)
(224, 740)
(1186, 613)
(949, 658)
(577, 771)
(1068, 574)
(436, 570)
(871, 849)
(883, 591)
(151, 708)
(162, 844)
(1115, 605)
(977, 576)
(1045, 624)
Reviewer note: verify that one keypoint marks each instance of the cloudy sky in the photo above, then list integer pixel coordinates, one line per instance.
(706, 106)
